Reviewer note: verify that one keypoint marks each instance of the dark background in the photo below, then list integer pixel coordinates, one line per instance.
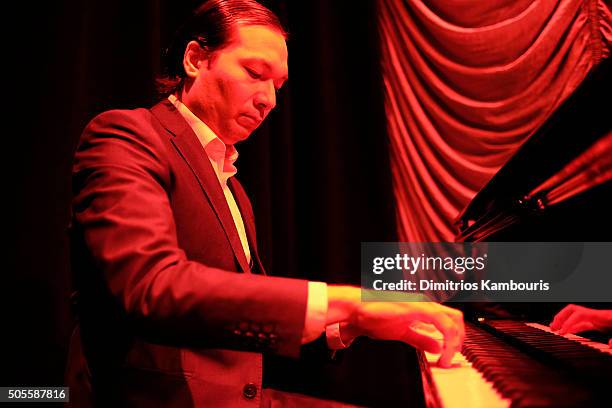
(317, 171)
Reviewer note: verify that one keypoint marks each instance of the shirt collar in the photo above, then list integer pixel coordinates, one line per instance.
(221, 155)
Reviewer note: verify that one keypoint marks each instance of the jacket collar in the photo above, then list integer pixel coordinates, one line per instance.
(249, 223)
(191, 150)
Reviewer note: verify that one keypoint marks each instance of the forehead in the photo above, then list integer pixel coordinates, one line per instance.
(259, 42)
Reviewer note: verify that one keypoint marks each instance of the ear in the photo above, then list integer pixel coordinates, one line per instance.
(193, 59)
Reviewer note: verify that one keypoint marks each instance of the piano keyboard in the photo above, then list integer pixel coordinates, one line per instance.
(514, 364)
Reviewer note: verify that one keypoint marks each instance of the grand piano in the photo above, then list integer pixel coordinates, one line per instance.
(553, 189)
(557, 187)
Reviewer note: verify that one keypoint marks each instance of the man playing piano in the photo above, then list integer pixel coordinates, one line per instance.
(175, 308)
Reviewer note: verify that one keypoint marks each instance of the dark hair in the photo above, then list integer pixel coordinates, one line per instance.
(211, 24)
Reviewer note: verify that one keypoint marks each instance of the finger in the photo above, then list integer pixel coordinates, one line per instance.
(452, 337)
(574, 320)
(562, 317)
(577, 327)
(423, 342)
(610, 343)
(425, 328)
(457, 317)
(452, 329)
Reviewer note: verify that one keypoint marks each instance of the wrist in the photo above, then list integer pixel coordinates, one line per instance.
(343, 305)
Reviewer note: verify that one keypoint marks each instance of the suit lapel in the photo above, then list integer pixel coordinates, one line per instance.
(249, 223)
(190, 148)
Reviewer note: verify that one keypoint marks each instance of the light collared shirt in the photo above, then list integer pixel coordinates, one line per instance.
(222, 157)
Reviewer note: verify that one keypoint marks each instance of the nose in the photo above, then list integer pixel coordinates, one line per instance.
(265, 98)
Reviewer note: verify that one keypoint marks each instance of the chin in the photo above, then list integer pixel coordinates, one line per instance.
(241, 134)
(236, 135)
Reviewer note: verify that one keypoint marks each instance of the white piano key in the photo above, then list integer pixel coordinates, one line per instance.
(464, 386)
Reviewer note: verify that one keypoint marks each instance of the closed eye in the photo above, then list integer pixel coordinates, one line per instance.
(252, 73)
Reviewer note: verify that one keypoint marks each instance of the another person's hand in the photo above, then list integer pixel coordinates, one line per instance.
(576, 319)
(392, 320)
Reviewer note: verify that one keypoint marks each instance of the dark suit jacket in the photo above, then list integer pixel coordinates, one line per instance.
(170, 313)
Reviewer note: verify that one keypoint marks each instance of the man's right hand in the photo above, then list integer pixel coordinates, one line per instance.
(396, 320)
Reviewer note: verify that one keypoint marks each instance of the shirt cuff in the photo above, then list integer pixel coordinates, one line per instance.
(316, 311)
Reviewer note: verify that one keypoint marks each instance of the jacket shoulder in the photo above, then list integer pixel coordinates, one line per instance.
(118, 137)
(129, 120)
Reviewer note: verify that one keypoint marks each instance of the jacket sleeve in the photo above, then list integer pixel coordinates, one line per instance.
(122, 212)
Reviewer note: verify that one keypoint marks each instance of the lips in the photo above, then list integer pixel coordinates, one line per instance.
(247, 120)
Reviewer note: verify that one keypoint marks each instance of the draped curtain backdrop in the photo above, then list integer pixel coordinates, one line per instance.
(466, 83)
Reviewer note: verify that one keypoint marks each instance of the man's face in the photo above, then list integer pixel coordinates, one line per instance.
(235, 89)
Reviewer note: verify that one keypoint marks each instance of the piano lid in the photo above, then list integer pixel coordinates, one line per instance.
(554, 150)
